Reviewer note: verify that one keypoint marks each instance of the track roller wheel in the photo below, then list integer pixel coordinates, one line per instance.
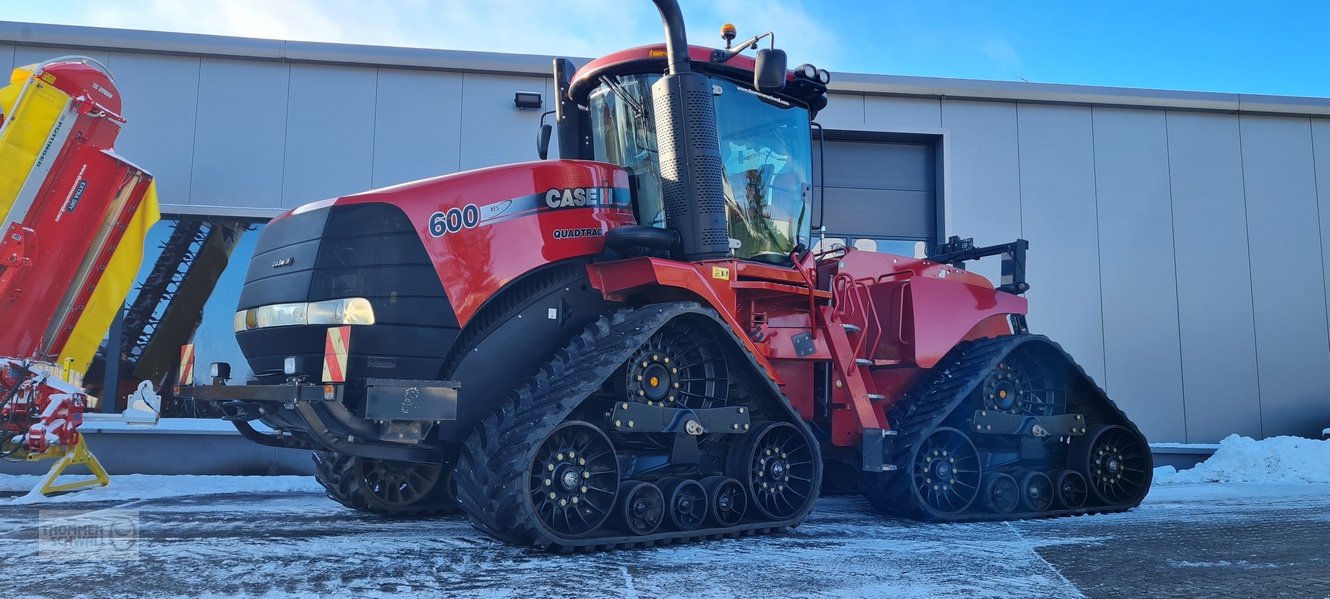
(387, 487)
(1036, 492)
(1071, 489)
(685, 503)
(1115, 461)
(574, 478)
(726, 499)
(945, 473)
(641, 507)
(777, 465)
(1001, 493)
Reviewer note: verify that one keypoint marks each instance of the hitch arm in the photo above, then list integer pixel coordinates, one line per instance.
(957, 251)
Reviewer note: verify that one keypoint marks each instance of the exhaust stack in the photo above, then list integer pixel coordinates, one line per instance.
(690, 165)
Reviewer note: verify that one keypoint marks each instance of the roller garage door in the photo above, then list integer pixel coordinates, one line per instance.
(880, 194)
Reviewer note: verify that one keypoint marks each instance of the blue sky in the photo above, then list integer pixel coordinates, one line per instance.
(1268, 47)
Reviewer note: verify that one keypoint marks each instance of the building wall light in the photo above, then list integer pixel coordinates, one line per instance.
(528, 100)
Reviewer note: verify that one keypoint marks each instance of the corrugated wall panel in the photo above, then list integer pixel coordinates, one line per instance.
(985, 194)
(161, 107)
(843, 111)
(901, 114)
(494, 131)
(1058, 213)
(329, 133)
(1321, 156)
(1288, 288)
(1214, 277)
(1137, 271)
(240, 143)
(417, 125)
(6, 60)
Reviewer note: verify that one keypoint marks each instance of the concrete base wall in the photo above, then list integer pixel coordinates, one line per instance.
(179, 446)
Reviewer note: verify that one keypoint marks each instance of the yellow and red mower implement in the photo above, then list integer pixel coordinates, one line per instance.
(75, 213)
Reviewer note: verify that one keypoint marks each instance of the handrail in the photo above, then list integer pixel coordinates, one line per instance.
(92, 62)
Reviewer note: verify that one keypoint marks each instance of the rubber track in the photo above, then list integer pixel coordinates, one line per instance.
(337, 474)
(494, 461)
(932, 402)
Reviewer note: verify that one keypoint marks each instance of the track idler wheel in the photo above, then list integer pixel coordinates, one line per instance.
(1036, 492)
(574, 479)
(777, 465)
(1115, 461)
(945, 472)
(726, 498)
(388, 487)
(641, 507)
(1071, 489)
(685, 503)
(1001, 493)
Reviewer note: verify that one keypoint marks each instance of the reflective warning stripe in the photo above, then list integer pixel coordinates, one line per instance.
(334, 354)
(186, 365)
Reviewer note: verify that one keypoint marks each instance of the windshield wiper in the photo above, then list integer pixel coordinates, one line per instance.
(638, 110)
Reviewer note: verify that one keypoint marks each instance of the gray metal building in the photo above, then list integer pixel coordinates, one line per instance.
(1179, 241)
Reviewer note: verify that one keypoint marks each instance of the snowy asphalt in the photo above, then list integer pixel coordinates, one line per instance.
(1209, 540)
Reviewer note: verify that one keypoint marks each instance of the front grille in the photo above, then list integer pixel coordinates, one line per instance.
(363, 250)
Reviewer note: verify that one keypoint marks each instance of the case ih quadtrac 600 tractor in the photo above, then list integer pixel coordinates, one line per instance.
(633, 343)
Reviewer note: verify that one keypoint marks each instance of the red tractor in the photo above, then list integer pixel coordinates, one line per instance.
(634, 344)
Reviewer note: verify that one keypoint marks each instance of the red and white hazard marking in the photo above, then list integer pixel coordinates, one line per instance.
(186, 365)
(334, 354)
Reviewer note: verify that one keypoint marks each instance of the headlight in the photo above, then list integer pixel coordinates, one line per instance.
(278, 315)
(351, 310)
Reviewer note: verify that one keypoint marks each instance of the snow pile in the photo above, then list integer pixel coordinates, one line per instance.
(1246, 460)
(155, 486)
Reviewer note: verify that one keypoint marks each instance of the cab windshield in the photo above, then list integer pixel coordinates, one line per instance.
(764, 146)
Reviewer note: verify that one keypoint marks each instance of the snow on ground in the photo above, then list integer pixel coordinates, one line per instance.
(1256, 528)
(1246, 460)
(1225, 539)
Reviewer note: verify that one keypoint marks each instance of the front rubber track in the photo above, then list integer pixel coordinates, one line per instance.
(495, 459)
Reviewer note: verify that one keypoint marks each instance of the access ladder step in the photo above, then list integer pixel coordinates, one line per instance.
(863, 362)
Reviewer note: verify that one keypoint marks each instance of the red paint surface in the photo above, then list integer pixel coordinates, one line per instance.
(652, 58)
(474, 263)
(913, 312)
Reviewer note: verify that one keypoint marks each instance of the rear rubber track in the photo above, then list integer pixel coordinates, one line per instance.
(935, 398)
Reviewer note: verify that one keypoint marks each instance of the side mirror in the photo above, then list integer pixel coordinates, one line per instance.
(769, 70)
(543, 141)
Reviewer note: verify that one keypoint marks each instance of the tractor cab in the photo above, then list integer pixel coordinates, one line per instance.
(607, 114)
